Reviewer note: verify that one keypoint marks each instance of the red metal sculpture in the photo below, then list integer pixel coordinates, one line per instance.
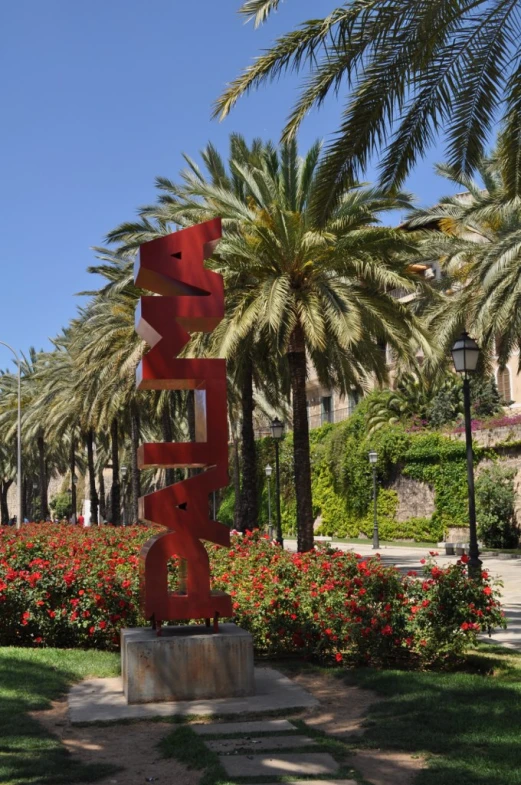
(192, 299)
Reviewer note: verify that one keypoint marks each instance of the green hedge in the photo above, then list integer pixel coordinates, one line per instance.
(342, 479)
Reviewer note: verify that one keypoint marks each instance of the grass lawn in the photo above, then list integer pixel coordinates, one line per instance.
(467, 723)
(29, 680)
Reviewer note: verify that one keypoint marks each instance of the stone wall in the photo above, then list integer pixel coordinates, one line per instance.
(491, 437)
(415, 499)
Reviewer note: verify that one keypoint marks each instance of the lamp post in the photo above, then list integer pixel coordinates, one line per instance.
(69, 494)
(465, 355)
(124, 471)
(373, 457)
(269, 471)
(277, 432)
(19, 436)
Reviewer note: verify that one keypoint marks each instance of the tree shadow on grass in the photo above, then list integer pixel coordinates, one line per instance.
(469, 723)
(28, 752)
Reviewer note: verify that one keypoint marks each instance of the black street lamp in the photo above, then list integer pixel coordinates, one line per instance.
(373, 457)
(268, 470)
(277, 432)
(465, 354)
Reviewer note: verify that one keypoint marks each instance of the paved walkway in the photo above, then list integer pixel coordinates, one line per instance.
(508, 570)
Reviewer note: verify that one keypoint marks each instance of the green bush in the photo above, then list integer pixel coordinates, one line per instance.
(495, 506)
(61, 504)
(342, 484)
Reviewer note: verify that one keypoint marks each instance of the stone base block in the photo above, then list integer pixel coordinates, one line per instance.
(186, 663)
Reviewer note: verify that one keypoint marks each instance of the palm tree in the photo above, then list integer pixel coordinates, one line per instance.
(475, 237)
(411, 69)
(247, 366)
(308, 295)
(110, 350)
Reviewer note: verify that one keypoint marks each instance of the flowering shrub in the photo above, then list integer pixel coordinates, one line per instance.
(65, 586)
(505, 421)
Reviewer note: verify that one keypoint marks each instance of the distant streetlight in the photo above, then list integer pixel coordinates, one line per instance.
(373, 457)
(465, 355)
(268, 470)
(277, 432)
(19, 436)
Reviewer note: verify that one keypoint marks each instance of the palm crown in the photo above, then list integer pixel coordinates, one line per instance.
(411, 67)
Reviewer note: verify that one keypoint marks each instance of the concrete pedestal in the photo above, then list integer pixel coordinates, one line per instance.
(186, 663)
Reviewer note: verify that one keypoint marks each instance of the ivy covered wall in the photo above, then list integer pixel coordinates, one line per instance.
(342, 480)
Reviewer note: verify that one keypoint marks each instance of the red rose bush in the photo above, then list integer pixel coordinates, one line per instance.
(69, 587)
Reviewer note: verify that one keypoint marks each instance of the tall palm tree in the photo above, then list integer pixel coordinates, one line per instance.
(306, 294)
(412, 68)
(247, 366)
(475, 238)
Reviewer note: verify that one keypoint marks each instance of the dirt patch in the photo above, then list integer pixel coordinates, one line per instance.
(387, 768)
(342, 707)
(341, 714)
(131, 747)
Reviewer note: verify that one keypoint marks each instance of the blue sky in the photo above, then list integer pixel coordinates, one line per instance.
(97, 99)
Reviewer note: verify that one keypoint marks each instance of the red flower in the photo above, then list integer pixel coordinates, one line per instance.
(487, 590)
(464, 559)
(338, 657)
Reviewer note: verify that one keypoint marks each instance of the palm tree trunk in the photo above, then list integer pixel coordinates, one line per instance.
(94, 502)
(190, 413)
(135, 475)
(72, 468)
(248, 500)
(102, 500)
(4, 509)
(44, 505)
(236, 481)
(115, 494)
(168, 434)
(301, 458)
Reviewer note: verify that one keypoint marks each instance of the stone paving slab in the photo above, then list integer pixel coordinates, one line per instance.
(259, 745)
(298, 764)
(102, 700)
(225, 728)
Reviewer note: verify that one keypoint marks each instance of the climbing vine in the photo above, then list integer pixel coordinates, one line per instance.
(342, 480)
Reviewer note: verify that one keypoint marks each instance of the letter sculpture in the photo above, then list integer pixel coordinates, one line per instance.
(192, 299)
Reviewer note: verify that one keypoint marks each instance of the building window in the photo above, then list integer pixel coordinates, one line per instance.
(326, 409)
(352, 401)
(503, 385)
